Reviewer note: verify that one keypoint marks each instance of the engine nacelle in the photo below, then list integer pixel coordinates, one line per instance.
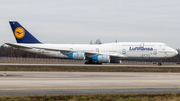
(77, 55)
(102, 58)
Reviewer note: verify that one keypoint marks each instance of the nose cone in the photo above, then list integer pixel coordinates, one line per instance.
(176, 52)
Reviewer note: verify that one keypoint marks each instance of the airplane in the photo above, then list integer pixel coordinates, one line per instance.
(92, 53)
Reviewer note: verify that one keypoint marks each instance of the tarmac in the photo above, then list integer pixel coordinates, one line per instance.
(50, 83)
(114, 65)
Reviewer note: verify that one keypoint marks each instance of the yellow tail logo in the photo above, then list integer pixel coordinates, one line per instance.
(19, 32)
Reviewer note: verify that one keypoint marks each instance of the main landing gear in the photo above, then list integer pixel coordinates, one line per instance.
(92, 62)
(159, 63)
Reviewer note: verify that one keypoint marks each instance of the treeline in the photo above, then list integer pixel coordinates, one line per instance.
(6, 51)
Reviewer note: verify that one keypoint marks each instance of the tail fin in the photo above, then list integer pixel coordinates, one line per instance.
(21, 34)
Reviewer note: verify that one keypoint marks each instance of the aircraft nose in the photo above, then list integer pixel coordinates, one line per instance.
(176, 52)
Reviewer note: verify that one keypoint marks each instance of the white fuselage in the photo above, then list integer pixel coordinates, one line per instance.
(121, 50)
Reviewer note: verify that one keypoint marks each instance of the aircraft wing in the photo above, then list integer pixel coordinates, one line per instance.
(66, 52)
(18, 46)
(88, 54)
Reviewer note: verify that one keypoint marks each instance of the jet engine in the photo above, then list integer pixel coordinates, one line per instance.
(102, 58)
(77, 55)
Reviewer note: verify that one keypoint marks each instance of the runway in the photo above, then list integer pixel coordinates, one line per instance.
(43, 83)
(114, 65)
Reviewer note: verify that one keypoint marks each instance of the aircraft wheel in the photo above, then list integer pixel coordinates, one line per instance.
(159, 64)
(93, 63)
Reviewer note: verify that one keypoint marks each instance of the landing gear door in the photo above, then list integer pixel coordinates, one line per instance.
(146, 56)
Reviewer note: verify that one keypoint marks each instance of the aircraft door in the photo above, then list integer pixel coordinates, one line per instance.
(166, 54)
(39, 51)
(155, 52)
(142, 44)
(71, 49)
(124, 51)
(97, 50)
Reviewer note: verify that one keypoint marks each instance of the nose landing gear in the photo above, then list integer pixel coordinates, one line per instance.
(159, 64)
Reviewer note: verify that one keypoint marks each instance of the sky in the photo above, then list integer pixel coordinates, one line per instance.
(80, 21)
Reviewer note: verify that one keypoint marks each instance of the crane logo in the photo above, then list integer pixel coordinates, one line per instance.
(19, 32)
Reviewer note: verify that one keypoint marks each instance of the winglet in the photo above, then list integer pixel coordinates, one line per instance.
(21, 34)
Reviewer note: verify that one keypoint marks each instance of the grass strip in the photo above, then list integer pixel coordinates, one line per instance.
(88, 69)
(98, 97)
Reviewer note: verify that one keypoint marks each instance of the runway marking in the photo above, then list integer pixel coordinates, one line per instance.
(26, 75)
(86, 88)
(96, 81)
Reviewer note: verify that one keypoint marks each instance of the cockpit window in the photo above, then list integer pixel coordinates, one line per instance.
(164, 45)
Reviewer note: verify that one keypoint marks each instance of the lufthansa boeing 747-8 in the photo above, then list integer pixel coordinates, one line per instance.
(93, 53)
